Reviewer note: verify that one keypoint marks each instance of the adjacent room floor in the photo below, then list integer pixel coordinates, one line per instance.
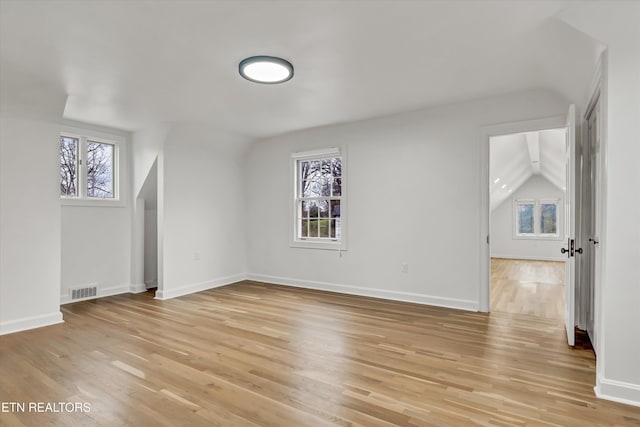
(253, 354)
(535, 288)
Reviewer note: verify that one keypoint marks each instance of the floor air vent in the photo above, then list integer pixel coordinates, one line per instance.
(80, 293)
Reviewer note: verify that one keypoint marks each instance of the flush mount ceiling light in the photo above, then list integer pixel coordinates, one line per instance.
(266, 69)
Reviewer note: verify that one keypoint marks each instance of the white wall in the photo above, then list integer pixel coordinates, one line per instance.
(146, 146)
(618, 316)
(413, 185)
(29, 220)
(621, 281)
(96, 244)
(503, 242)
(203, 206)
(151, 248)
(96, 240)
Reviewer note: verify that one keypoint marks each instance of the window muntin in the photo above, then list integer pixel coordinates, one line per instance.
(536, 218)
(88, 168)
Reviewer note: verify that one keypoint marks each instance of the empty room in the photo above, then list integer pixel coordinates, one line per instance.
(527, 186)
(319, 213)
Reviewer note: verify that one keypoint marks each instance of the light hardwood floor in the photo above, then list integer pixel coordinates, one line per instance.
(253, 354)
(534, 288)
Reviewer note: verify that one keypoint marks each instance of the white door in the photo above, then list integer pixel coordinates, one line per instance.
(570, 228)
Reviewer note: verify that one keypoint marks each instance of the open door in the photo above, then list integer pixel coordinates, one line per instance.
(570, 228)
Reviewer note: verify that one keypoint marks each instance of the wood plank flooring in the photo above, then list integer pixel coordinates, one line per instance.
(253, 354)
(528, 287)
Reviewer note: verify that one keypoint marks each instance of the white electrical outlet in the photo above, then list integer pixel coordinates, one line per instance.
(404, 267)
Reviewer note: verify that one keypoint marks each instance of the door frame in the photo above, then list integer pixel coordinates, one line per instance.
(598, 94)
(591, 213)
(486, 132)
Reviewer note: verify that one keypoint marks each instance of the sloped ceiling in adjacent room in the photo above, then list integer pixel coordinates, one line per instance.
(133, 64)
(516, 158)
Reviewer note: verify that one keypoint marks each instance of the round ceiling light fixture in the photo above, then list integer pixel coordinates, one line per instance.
(266, 69)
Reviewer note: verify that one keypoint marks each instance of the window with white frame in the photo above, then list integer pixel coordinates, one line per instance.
(319, 199)
(536, 218)
(88, 168)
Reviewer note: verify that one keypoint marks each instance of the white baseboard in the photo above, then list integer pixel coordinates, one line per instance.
(460, 304)
(618, 391)
(137, 288)
(151, 284)
(198, 287)
(559, 258)
(30, 323)
(102, 292)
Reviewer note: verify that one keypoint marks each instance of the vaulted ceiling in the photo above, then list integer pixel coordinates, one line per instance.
(516, 158)
(132, 64)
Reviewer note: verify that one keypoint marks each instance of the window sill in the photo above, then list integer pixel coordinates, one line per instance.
(305, 244)
(538, 237)
(99, 203)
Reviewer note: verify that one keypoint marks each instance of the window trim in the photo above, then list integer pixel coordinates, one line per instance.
(84, 135)
(536, 235)
(294, 241)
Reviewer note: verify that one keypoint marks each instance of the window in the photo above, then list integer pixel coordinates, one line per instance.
(536, 218)
(88, 168)
(319, 207)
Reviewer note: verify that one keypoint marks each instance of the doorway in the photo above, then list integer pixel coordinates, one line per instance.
(527, 185)
(148, 198)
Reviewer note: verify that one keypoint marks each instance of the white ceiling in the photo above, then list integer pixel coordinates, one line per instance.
(133, 64)
(517, 157)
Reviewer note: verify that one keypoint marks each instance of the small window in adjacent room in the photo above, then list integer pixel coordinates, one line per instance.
(524, 218)
(88, 168)
(535, 218)
(548, 219)
(319, 200)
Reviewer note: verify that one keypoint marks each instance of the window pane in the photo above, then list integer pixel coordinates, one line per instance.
(99, 170)
(324, 227)
(525, 218)
(335, 208)
(312, 187)
(313, 209)
(548, 218)
(326, 167)
(68, 166)
(306, 206)
(304, 170)
(337, 187)
(313, 228)
(332, 228)
(325, 186)
(323, 208)
(304, 174)
(304, 228)
(326, 177)
(336, 166)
